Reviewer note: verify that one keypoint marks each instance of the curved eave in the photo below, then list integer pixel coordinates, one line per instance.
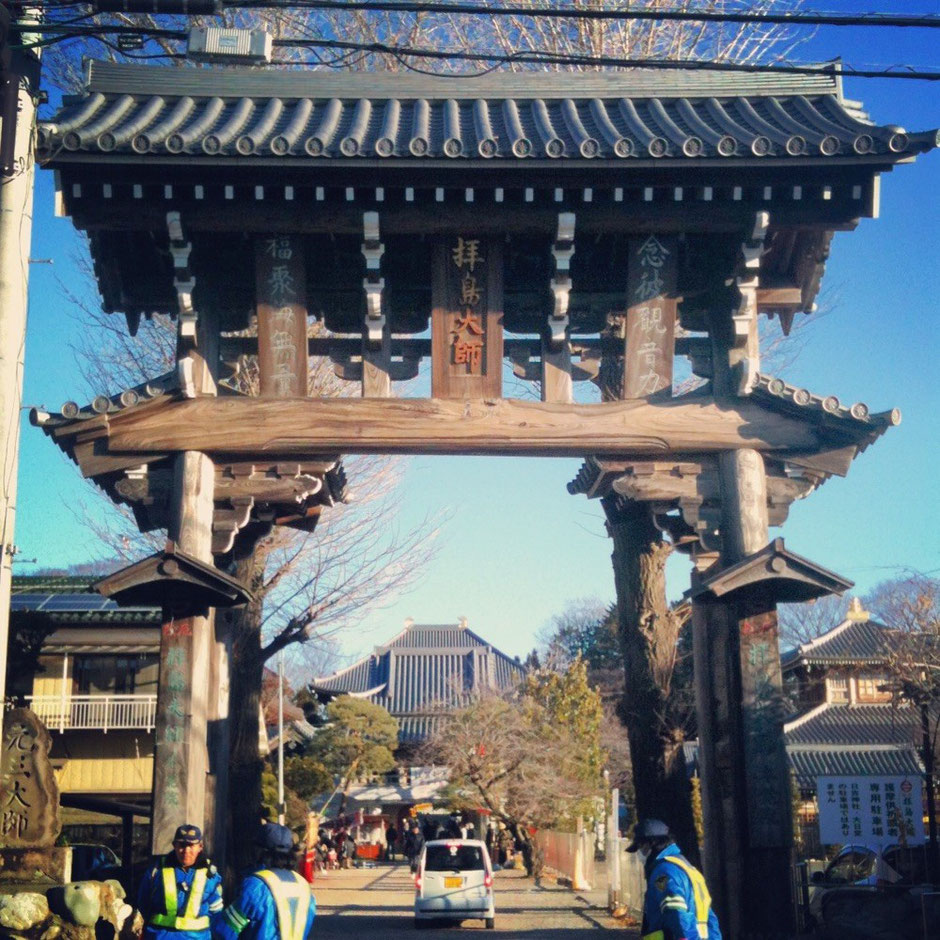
(537, 120)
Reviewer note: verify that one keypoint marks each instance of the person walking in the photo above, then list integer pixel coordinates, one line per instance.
(349, 857)
(391, 835)
(414, 843)
(274, 902)
(677, 904)
(506, 845)
(180, 894)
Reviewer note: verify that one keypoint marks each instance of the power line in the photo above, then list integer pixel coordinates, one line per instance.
(542, 57)
(524, 57)
(799, 18)
(929, 21)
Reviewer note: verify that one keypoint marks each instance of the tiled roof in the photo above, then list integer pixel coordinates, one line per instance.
(852, 641)
(844, 740)
(432, 636)
(832, 724)
(808, 763)
(423, 672)
(321, 116)
(53, 584)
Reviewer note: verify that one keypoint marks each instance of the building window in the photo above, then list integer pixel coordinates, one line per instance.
(115, 675)
(869, 688)
(838, 687)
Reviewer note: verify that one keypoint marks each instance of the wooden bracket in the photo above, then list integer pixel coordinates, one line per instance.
(183, 280)
(562, 252)
(228, 520)
(744, 320)
(374, 284)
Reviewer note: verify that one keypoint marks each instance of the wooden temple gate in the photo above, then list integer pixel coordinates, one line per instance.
(586, 228)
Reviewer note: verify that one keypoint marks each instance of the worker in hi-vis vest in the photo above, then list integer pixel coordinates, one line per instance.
(181, 893)
(678, 905)
(274, 901)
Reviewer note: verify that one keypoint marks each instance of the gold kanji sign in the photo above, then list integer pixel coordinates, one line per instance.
(467, 332)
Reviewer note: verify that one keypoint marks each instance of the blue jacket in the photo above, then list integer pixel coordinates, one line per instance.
(266, 898)
(152, 901)
(671, 910)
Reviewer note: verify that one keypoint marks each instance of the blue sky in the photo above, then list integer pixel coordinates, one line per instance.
(517, 547)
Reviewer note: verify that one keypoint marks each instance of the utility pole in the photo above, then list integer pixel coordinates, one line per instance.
(281, 811)
(933, 855)
(19, 90)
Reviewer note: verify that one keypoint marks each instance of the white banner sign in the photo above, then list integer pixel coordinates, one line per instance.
(870, 810)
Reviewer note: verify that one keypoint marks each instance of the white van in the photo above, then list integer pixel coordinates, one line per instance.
(454, 880)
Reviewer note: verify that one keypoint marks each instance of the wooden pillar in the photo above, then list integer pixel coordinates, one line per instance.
(745, 780)
(181, 763)
(189, 685)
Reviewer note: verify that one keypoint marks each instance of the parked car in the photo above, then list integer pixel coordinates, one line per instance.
(454, 881)
(865, 867)
(94, 862)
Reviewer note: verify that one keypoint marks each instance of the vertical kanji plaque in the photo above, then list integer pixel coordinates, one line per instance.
(281, 292)
(467, 318)
(651, 318)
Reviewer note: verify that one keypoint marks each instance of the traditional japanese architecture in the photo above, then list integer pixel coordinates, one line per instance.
(847, 722)
(588, 227)
(424, 672)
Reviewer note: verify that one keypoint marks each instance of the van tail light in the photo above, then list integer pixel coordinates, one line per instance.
(488, 881)
(418, 882)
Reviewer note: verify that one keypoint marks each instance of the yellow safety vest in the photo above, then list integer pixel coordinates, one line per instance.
(190, 919)
(703, 900)
(291, 918)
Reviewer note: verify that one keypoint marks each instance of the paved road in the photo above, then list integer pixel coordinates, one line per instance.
(376, 904)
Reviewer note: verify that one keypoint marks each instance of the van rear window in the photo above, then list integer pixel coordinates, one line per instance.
(454, 858)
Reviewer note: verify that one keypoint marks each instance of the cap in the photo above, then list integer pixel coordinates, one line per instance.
(188, 834)
(275, 838)
(646, 830)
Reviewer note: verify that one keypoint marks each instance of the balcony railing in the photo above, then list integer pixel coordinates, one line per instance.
(95, 712)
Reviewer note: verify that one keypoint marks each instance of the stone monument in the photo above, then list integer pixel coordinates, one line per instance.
(29, 805)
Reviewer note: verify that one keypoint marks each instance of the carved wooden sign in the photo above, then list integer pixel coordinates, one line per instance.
(467, 318)
(281, 292)
(763, 710)
(29, 795)
(172, 728)
(651, 318)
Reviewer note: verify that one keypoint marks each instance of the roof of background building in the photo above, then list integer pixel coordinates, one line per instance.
(808, 763)
(71, 601)
(851, 642)
(317, 115)
(846, 740)
(837, 724)
(423, 672)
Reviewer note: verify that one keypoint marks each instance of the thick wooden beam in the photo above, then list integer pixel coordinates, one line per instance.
(300, 427)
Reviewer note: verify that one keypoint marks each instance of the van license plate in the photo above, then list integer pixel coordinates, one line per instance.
(453, 882)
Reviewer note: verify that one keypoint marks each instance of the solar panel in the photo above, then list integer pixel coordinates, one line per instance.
(28, 601)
